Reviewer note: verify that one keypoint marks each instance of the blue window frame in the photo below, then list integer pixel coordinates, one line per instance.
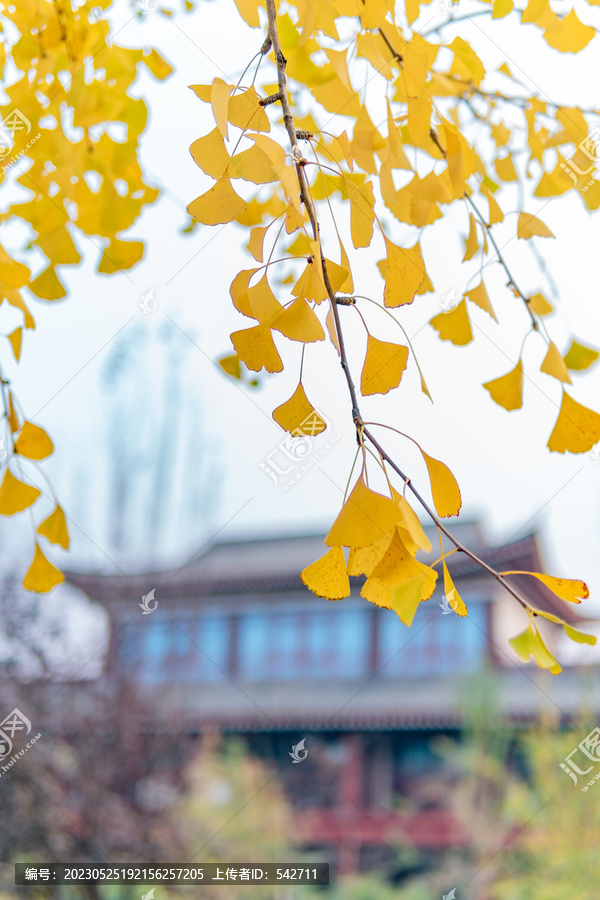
(279, 643)
(195, 650)
(435, 644)
(308, 644)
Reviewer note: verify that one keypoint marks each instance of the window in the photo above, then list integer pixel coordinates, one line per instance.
(194, 649)
(435, 644)
(303, 644)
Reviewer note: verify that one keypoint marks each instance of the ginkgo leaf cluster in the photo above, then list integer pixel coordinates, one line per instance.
(76, 129)
(444, 140)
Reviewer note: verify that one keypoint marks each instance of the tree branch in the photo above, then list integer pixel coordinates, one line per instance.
(288, 120)
(362, 431)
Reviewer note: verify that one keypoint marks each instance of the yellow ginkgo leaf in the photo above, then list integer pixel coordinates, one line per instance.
(15, 341)
(271, 149)
(580, 637)
(366, 517)
(210, 154)
(12, 273)
(33, 442)
(529, 226)
(505, 167)
(472, 245)
(159, 67)
(571, 589)
(48, 285)
(362, 215)
(452, 596)
(554, 183)
(231, 365)
(418, 124)
(362, 560)
(337, 275)
(239, 291)
(347, 286)
(54, 528)
(495, 213)
(219, 99)
(571, 35)
(15, 299)
(346, 149)
(253, 165)
(15, 495)
(444, 487)
(300, 246)
(540, 305)
(327, 577)
(298, 322)
(383, 367)
(218, 205)
(246, 112)
(577, 428)
(404, 274)
(257, 239)
(406, 598)
(263, 303)
(256, 348)
(554, 364)
(424, 387)
(41, 576)
(502, 8)
(13, 419)
(397, 157)
(330, 323)
(507, 390)
(397, 567)
(248, 10)
(580, 357)
(406, 539)
(530, 643)
(298, 416)
(311, 285)
(455, 325)
(479, 296)
(466, 64)
(411, 523)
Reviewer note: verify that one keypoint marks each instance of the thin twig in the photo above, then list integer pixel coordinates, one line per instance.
(502, 261)
(480, 562)
(361, 431)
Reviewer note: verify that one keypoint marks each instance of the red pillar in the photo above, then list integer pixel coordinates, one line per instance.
(350, 803)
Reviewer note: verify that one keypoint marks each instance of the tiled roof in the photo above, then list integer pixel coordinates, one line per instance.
(273, 564)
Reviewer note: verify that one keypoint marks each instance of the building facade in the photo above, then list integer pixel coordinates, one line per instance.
(238, 645)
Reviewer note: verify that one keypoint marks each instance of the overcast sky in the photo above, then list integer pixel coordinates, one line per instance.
(143, 388)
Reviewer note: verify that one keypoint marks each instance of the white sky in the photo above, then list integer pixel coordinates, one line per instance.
(507, 476)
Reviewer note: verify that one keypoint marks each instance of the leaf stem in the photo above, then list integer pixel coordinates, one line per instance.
(362, 431)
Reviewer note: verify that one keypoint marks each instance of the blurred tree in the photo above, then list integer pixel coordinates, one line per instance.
(103, 785)
(554, 855)
(234, 809)
(154, 451)
(69, 169)
(530, 832)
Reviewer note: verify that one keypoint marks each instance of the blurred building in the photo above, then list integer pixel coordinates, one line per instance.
(237, 644)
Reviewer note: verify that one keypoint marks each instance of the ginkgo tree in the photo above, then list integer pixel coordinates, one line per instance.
(444, 140)
(69, 143)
